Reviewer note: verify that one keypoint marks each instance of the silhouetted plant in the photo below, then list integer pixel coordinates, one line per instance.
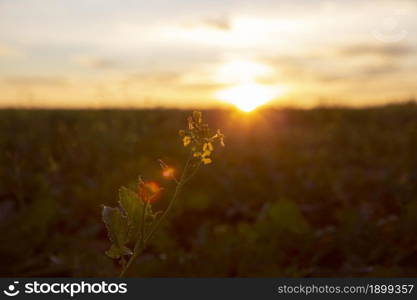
(134, 221)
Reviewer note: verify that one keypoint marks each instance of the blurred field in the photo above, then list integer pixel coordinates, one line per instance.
(323, 192)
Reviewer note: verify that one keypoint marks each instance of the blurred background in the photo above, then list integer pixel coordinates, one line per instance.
(316, 99)
(322, 192)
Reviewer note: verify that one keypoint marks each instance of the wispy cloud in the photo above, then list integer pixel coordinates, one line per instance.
(36, 81)
(97, 62)
(377, 49)
(10, 52)
(219, 22)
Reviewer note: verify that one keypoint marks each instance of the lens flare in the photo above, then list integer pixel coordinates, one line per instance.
(149, 191)
(168, 172)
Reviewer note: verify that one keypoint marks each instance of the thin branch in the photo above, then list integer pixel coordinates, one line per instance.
(141, 243)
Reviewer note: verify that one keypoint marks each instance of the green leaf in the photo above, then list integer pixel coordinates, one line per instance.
(117, 229)
(129, 201)
(133, 207)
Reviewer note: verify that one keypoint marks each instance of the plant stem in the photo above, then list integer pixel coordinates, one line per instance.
(141, 243)
(184, 181)
(142, 234)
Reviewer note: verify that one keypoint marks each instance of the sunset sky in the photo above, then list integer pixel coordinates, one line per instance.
(182, 53)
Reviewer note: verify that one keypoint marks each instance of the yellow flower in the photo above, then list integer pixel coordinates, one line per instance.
(198, 117)
(208, 147)
(186, 140)
(219, 136)
(199, 137)
(206, 153)
(206, 161)
(197, 154)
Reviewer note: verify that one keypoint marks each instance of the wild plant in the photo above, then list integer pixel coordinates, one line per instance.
(133, 222)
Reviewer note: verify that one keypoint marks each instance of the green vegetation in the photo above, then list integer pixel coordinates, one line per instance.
(323, 192)
(133, 221)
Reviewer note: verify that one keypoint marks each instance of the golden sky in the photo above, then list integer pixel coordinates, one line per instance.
(181, 53)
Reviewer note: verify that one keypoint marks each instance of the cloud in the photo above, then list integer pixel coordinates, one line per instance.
(222, 22)
(157, 78)
(219, 23)
(292, 66)
(10, 52)
(36, 80)
(380, 69)
(355, 62)
(387, 50)
(331, 68)
(167, 86)
(179, 80)
(97, 62)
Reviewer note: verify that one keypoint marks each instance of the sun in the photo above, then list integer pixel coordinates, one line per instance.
(249, 96)
(242, 77)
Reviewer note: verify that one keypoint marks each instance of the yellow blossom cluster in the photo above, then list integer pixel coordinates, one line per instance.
(199, 138)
